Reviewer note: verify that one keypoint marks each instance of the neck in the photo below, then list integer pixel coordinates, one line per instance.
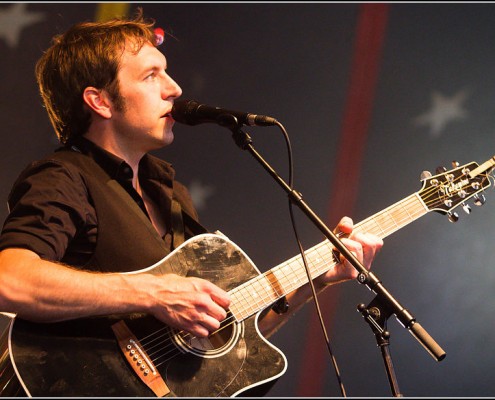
(136, 185)
(129, 153)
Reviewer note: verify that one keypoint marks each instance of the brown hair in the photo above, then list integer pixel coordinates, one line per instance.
(88, 54)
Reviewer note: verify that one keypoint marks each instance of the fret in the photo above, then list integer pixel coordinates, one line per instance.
(320, 263)
(394, 217)
(238, 302)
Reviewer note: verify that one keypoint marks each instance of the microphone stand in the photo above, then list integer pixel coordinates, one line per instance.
(376, 315)
(384, 304)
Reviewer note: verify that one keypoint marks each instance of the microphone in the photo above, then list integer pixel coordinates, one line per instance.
(191, 112)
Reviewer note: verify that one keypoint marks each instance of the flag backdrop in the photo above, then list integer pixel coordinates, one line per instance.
(371, 95)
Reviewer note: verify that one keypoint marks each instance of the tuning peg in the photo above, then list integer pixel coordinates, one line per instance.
(466, 208)
(453, 216)
(479, 200)
(440, 170)
(455, 164)
(425, 175)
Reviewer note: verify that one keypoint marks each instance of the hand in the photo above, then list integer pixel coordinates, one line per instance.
(193, 304)
(364, 247)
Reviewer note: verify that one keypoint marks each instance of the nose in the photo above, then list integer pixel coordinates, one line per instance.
(170, 88)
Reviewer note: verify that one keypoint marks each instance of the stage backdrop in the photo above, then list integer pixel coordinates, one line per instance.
(371, 95)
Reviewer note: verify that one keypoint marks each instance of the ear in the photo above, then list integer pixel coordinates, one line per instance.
(99, 101)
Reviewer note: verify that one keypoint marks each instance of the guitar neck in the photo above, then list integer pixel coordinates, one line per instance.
(262, 291)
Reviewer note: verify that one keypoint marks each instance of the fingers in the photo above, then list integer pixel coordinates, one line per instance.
(211, 309)
(218, 295)
(345, 226)
(364, 246)
(192, 304)
(356, 249)
(207, 321)
(371, 244)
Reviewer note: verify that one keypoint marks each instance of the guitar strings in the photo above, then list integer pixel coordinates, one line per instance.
(154, 337)
(396, 220)
(150, 342)
(185, 336)
(171, 350)
(442, 197)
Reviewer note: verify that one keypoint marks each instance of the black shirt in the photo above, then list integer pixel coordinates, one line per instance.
(51, 212)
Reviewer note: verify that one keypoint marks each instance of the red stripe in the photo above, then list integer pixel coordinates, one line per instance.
(370, 33)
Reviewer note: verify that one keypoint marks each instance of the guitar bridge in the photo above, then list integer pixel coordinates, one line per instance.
(138, 359)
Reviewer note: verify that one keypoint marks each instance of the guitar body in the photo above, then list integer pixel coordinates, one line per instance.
(82, 358)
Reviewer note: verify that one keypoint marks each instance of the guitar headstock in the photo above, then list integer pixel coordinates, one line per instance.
(447, 190)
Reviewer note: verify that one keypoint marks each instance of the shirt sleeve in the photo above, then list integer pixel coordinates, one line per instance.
(47, 205)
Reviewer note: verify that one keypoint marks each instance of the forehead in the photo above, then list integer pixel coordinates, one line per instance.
(146, 57)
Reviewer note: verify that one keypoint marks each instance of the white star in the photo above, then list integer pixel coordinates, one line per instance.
(443, 110)
(14, 19)
(199, 193)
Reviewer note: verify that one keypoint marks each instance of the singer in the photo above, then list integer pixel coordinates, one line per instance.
(86, 223)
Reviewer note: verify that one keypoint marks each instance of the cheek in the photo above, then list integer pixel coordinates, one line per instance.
(140, 110)
(142, 104)
(148, 105)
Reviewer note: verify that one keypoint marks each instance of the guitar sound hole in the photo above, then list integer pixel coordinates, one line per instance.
(215, 345)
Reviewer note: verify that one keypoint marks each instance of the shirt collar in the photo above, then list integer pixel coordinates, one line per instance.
(150, 167)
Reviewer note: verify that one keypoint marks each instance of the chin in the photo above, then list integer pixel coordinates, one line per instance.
(157, 143)
(168, 139)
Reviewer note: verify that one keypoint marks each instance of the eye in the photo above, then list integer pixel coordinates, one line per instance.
(150, 76)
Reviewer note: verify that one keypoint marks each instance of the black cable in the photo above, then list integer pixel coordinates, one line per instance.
(303, 255)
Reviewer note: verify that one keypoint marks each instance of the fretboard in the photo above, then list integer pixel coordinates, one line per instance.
(263, 290)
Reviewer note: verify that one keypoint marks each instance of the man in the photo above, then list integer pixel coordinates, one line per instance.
(102, 206)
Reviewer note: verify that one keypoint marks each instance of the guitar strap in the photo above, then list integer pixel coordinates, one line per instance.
(178, 236)
(179, 220)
